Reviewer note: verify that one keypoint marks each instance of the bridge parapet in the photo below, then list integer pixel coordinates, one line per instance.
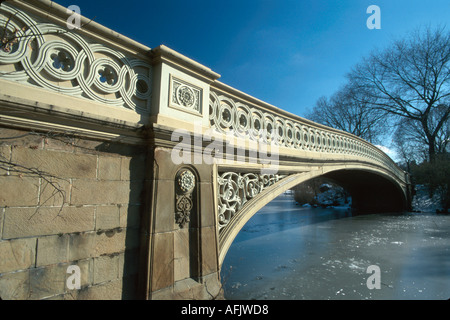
(90, 72)
(234, 112)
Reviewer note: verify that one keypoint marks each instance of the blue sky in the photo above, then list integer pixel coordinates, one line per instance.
(285, 52)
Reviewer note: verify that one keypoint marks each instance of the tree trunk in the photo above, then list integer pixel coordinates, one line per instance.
(432, 149)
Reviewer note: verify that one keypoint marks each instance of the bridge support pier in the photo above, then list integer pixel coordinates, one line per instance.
(179, 239)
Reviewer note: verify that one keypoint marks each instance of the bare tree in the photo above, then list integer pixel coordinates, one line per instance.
(350, 111)
(443, 134)
(411, 80)
(410, 142)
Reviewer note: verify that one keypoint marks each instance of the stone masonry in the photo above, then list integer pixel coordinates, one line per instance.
(86, 214)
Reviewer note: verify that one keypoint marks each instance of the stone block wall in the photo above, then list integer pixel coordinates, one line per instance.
(68, 201)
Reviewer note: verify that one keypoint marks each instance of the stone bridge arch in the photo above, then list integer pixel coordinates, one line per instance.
(373, 190)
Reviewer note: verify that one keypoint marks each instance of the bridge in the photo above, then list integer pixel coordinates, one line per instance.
(155, 165)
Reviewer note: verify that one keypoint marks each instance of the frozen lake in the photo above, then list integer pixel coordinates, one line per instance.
(291, 253)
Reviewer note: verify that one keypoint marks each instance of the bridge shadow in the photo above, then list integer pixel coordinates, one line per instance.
(283, 213)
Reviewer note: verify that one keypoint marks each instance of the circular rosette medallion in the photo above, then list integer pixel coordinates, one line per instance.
(186, 181)
(186, 96)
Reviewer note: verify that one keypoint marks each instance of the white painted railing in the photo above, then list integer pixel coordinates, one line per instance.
(38, 53)
(245, 116)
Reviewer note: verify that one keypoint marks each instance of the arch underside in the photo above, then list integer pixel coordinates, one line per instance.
(372, 191)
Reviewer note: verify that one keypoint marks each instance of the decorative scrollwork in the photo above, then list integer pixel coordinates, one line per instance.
(235, 189)
(184, 206)
(184, 198)
(228, 114)
(46, 55)
(185, 95)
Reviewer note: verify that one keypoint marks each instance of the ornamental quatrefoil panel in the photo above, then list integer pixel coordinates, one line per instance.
(185, 96)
